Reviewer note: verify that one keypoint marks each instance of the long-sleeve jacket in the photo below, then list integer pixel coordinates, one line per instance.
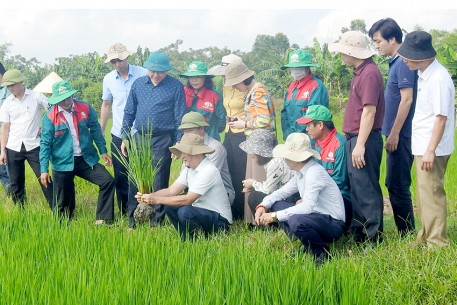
(299, 96)
(56, 143)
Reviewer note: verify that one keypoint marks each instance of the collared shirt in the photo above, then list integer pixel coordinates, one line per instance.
(367, 88)
(435, 96)
(219, 159)
(24, 118)
(278, 174)
(319, 194)
(234, 105)
(206, 181)
(116, 89)
(69, 118)
(155, 109)
(400, 76)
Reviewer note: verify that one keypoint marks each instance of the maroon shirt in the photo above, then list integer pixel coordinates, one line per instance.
(367, 88)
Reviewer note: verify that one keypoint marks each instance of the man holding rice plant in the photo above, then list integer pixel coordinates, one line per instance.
(70, 129)
(206, 204)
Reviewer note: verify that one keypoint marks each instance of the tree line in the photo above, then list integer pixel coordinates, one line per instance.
(86, 71)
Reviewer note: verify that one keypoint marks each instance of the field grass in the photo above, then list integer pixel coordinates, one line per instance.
(45, 262)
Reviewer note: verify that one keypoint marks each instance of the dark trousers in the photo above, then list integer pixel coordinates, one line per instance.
(162, 159)
(120, 176)
(315, 230)
(16, 168)
(236, 160)
(187, 219)
(366, 194)
(64, 189)
(256, 197)
(398, 182)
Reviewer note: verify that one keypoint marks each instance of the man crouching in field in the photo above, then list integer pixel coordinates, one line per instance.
(318, 217)
(69, 129)
(206, 205)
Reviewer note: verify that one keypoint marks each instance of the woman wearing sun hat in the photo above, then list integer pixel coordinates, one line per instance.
(304, 91)
(259, 112)
(202, 98)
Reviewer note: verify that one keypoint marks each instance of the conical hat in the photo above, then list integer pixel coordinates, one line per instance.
(45, 86)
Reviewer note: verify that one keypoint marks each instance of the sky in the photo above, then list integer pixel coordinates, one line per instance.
(46, 32)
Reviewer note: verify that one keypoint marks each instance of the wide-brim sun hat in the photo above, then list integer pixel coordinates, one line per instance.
(196, 68)
(236, 73)
(191, 144)
(417, 46)
(226, 60)
(158, 62)
(12, 77)
(117, 51)
(61, 91)
(260, 142)
(315, 113)
(352, 43)
(299, 59)
(45, 86)
(193, 119)
(296, 148)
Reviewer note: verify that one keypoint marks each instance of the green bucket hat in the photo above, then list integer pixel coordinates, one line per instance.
(299, 59)
(61, 91)
(315, 113)
(12, 77)
(196, 68)
(192, 120)
(158, 62)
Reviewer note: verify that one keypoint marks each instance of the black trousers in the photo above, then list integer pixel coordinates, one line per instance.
(120, 176)
(162, 158)
(16, 168)
(366, 194)
(236, 160)
(64, 189)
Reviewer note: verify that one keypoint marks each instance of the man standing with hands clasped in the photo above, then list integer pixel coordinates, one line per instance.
(432, 135)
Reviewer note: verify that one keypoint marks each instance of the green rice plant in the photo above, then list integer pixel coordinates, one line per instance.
(139, 162)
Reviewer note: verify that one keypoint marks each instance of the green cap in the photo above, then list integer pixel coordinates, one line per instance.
(192, 120)
(299, 59)
(12, 77)
(196, 68)
(61, 91)
(315, 113)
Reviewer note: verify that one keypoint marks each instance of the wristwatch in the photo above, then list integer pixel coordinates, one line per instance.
(273, 216)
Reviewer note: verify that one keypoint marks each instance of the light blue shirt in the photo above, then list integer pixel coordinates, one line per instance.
(116, 89)
(318, 191)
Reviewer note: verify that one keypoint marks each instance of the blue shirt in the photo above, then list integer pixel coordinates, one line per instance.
(116, 89)
(155, 109)
(400, 76)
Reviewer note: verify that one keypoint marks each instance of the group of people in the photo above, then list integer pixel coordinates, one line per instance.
(318, 185)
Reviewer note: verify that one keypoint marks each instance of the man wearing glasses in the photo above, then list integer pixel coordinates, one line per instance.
(116, 89)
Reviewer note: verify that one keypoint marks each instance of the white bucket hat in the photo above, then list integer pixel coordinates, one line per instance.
(296, 148)
(117, 51)
(226, 60)
(352, 43)
(236, 73)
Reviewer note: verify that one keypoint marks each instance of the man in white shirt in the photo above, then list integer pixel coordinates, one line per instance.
(116, 89)
(432, 140)
(318, 217)
(206, 204)
(20, 134)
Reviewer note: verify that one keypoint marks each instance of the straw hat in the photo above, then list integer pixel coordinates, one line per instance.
(191, 144)
(260, 142)
(296, 148)
(417, 46)
(45, 86)
(236, 73)
(352, 43)
(117, 51)
(226, 60)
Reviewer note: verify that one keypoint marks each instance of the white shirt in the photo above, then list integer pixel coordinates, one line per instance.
(435, 96)
(24, 117)
(318, 191)
(206, 181)
(71, 125)
(278, 174)
(117, 89)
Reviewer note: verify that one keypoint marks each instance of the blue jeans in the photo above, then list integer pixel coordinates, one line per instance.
(187, 219)
(398, 182)
(5, 179)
